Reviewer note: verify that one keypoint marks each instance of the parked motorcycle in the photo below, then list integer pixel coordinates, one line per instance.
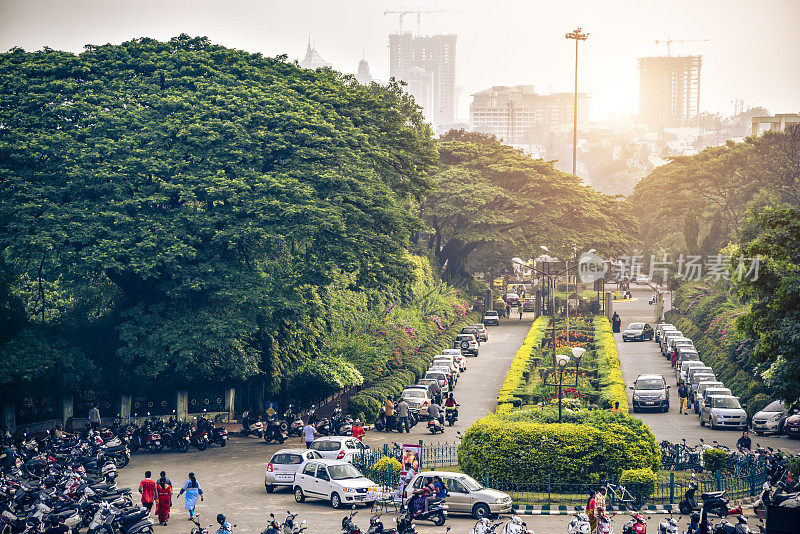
(635, 525)
(348, 525)
(579, 524)
(668, 525)
(294, 421)
(251, 425)
(274, 432)
(516, 525)
(376, 526)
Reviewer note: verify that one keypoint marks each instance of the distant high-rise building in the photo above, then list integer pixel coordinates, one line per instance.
(313, 60)
(435, 55)
(363, 75)
(512, 113)
(669, 91)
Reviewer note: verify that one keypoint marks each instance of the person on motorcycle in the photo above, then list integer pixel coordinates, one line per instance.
(438, 484)
(436, 393)
(358, 430)
(600, 503)
(435, 411)
(590, 511)
(744, 442)
(224, 526)
(451, 403)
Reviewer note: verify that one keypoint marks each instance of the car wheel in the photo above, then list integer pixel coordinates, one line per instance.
(480, 510)
(635, 409)
(438, 519)
(298, 494)
(269, 487)
(702, 423)
(336, 501)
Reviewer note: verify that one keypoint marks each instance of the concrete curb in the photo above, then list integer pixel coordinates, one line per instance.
(569, 510)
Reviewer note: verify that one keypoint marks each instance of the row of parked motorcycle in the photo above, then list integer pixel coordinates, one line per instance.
(279, 429)
(676, 456)
(67, 479)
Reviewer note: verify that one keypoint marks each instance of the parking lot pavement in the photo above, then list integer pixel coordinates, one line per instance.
(644, 357)
(232, 478)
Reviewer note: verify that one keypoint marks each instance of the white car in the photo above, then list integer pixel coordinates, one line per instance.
(342, 448)
(283, 466)
(467, 343)
(459, 358)
(448, 361)
(482, 331)
(332, 480)
(441, 376)
(417, 399)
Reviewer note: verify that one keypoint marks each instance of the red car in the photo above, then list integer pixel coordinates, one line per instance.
(792, 426)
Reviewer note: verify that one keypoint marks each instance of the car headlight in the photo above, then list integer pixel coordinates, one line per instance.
(662, 396)
(636, 396)
(501, 500)
(775, 417)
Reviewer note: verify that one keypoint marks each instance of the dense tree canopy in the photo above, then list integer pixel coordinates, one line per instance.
(168, 208)
(490, 197)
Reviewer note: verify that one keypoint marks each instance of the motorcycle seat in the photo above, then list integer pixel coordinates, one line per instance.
(712, 495)
(115, 448)
(134, 517)
(102, 487)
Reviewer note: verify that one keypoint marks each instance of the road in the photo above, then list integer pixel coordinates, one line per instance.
(233, 477)
(645, 358)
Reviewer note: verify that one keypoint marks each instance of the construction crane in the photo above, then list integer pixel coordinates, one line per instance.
(419, 12)
(669, 42)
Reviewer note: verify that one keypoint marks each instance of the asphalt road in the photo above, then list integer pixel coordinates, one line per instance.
(233, 477)
(645, 358)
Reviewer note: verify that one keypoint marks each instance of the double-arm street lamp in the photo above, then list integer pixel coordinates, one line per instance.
(562, 360)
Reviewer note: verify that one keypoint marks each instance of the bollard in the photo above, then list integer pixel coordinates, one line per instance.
(718, 476)
(672, 488)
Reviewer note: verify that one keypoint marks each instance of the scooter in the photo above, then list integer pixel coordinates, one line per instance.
(636, 525)
(348, 525)
(579, 524)
(451, 414)
(484, 526)
(668, 525)
(436, 514)
(435, 425)
(376, 526)
(274, 432)
(251, 425)
(294, 422)
(689, 503)
(516, 525)
(741, 527)
(604, 525)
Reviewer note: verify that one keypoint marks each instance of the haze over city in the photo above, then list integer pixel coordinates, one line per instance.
(752, 53)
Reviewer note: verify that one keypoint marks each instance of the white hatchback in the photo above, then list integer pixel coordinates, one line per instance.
(342, 448)
(283, 466)
(332, 480)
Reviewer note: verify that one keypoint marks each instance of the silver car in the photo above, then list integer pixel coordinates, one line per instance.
(702, 387)
(666, 337)
(283, 466)
(466, 495)
(682, 369)
(771, 418)
(723, 412)
(660, 329)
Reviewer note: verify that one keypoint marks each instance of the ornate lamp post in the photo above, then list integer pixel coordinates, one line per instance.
(562, 360)
(577, 353)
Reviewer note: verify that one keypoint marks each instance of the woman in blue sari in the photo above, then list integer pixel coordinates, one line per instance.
(193, 491)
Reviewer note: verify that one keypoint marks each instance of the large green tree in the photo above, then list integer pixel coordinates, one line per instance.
(172, 207)
(491, 198)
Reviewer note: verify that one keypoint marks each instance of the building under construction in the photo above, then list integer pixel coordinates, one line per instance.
(669, 91)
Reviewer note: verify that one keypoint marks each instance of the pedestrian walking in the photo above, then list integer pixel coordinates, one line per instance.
(388, 407)
(164, 492)
(519, 308)
(402, 414)
(683, 393)
(508, 311)
(163, 474)
(358, 430)
(308, 434)
(147, 487)
(94, 417)
(193, 492)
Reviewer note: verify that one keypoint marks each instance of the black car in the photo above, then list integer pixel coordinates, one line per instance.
(638, 332)
(491, 317)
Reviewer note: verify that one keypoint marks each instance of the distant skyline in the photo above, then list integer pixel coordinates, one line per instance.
(754, 54)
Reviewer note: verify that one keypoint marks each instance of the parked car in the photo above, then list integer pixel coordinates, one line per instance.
(642, 279)
(447, 368)
(459, 358)
(445, 359)
(474, 331)
(686, 354)
(695, 380)
(660, 328)
(283, 466)
(442, 378)
(725, 392)
(666, 337)
(637, 332)
(675, 342)
(427, 383)
(650, 391)
(529, 305)
(492, 317)
(772, 418)
(342, 448)
(483, 333)
(719, 411)
(467, 343)
(682, 370)
(332, 480)
(466, 495)
(701, 392)
(418, 400)
(791, 427)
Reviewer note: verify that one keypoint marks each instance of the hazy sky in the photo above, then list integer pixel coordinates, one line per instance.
(754, 52)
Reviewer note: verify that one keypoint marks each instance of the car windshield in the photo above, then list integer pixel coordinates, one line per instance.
(635, 326)
(470, 483)
(490, 314)
(649, 383)
(775, 406)
(342, 472)
(414, 393)
(726, 402)
(512, 296)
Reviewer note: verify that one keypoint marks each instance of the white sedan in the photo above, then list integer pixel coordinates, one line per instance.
(331, 480)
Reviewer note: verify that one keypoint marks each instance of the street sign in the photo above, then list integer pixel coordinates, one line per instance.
(271, 410)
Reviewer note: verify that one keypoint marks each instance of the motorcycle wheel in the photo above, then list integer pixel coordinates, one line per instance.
(121, 461)
(684, 508)
(201, 445)
(223, 442)
(184, 447)
(438, 519)
(284, 426)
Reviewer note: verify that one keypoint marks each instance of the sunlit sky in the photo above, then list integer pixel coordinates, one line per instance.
(753, 53)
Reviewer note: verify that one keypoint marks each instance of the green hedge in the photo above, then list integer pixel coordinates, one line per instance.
(640, 482)
(715, 459)
(612, 387)
(593, 448)
(515, 379)
(366, 404)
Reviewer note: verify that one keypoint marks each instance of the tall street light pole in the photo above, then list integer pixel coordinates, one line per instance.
(578, 36)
